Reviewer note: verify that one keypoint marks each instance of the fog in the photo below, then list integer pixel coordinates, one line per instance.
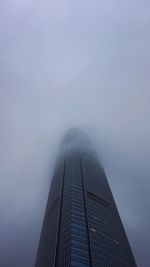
(70, 64)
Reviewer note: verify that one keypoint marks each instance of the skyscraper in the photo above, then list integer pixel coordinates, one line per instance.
(81, 227)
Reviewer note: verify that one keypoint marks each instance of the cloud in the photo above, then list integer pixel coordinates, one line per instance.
(64, 64)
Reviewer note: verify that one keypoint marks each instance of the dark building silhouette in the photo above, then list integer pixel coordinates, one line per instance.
(81, 227)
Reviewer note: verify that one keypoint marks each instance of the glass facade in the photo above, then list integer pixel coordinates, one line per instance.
(81, 227)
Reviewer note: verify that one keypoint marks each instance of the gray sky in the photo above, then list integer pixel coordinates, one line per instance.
(68, 63)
